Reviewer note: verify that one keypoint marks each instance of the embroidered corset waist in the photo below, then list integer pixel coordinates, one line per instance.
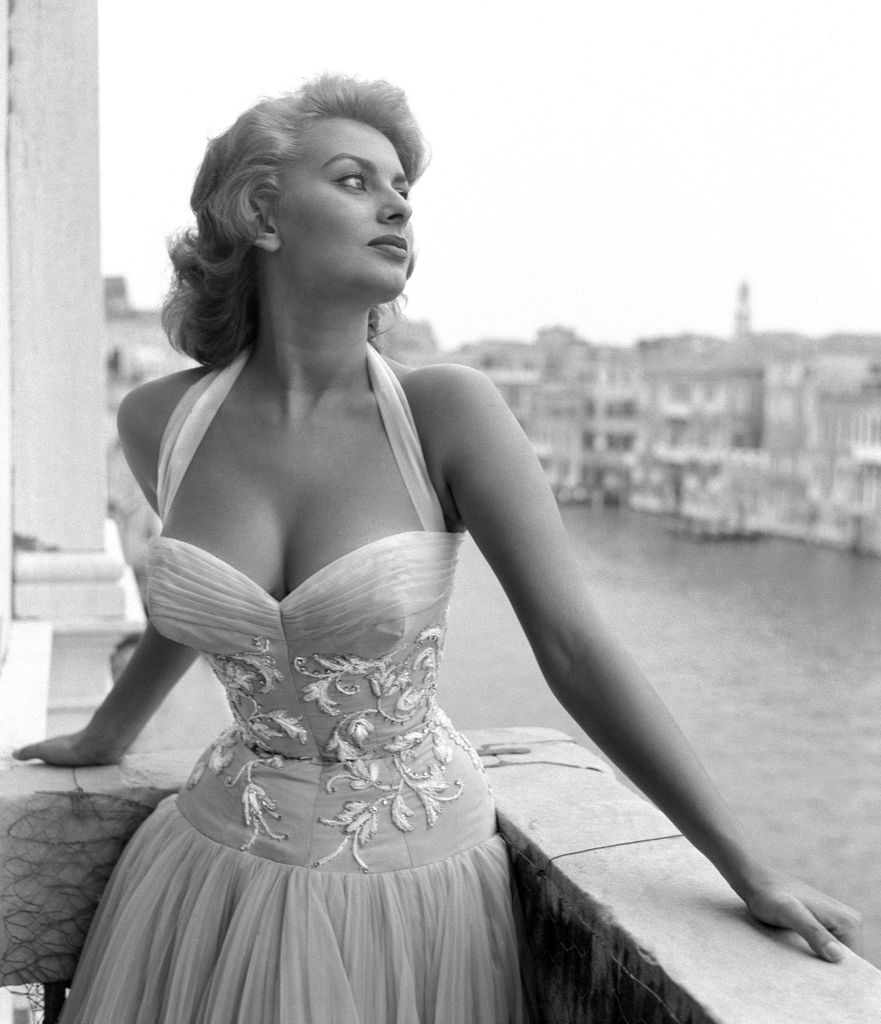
(338, 756)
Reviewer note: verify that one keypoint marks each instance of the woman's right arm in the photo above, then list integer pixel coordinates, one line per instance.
(155, 666)
(157, 662)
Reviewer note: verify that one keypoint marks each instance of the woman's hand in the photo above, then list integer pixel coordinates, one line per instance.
(824, 923)
(71, 751)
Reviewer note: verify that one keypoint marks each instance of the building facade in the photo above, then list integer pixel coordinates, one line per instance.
(577, 403)
(774, 435)
(700, 403)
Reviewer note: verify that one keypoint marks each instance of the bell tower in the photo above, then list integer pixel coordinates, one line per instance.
(742, 314)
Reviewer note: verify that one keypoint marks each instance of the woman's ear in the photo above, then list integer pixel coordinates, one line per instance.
(267, 238)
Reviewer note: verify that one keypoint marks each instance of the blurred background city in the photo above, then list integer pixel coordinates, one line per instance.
(655, 228)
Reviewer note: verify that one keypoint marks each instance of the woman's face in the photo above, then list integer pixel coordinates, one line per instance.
(341, 226)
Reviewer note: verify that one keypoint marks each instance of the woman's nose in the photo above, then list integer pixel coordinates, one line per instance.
(396, 209)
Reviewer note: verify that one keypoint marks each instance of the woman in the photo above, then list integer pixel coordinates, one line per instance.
(333, 856)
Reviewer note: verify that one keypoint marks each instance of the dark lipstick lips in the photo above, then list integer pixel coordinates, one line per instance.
(396, 240)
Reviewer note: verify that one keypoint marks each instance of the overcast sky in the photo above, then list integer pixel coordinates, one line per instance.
(617, 167)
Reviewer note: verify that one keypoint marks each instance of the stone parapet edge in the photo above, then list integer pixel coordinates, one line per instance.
(647, 931)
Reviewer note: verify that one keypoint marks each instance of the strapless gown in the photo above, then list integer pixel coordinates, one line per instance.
(333, 857)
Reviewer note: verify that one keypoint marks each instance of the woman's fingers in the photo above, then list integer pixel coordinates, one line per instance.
(845, 924)
(820, 939)
(825, 924)
(60, 750)
(27, 752)
(45, 751)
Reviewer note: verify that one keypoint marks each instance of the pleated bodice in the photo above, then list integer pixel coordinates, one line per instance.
(339, 756)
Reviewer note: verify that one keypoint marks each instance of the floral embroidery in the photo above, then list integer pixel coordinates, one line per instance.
(380, 771)
(244, 675)
(256, 802)
(398, 701)
(220, 755)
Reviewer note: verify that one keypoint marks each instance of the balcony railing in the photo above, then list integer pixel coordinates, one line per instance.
(626, 922)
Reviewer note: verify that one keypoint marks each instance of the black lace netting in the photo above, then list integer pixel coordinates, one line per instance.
(59, 856)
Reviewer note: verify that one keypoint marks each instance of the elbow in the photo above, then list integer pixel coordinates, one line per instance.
(562, 658)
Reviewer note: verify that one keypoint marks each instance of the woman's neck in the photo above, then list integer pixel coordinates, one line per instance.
(305, 350)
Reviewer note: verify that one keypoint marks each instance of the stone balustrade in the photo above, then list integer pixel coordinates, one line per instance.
(626, 921)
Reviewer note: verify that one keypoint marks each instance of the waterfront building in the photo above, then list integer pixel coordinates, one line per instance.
(817, 475)
(866, 455)
(701, 404)
(794, 445)
(845, 497)
(557, 432)
(585, 416)
(769, 432)
(577, 402)
(609, 443)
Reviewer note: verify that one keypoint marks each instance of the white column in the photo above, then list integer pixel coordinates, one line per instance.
(5, 364)
(68, 568)
(57, 311)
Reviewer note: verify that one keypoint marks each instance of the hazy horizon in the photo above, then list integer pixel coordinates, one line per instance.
(619, 169)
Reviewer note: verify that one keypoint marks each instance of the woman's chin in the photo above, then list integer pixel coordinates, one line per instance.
(381, 292)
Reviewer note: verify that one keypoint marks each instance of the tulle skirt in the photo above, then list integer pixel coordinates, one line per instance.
(193, 932)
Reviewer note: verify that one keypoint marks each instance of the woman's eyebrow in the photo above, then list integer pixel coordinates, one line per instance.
(368, 165)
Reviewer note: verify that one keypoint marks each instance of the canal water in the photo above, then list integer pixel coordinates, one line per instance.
(768, 653)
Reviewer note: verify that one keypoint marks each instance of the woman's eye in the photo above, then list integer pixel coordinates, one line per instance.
(354, 176)
(358, 181)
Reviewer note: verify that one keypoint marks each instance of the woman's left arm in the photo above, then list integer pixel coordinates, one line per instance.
(485, 468)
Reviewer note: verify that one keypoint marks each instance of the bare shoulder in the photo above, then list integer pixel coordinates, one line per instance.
(141, 420)
(145, 410)
(453, 408)
(448, 396)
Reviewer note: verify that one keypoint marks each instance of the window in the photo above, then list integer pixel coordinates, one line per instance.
(619, 442)
(621, 409)
(676, 432)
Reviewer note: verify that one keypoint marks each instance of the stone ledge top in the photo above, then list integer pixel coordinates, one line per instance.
(671, 905)
(160, 773)
(612, 859)
(618, 865)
